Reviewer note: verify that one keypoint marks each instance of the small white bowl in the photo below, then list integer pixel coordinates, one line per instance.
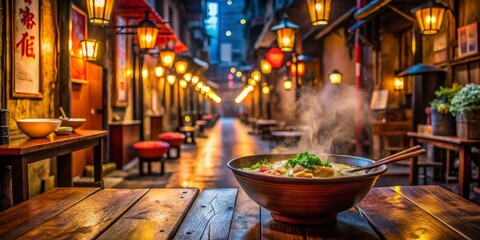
(38, 127)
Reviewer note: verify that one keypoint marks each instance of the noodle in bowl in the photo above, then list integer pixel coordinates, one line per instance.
(305, 200)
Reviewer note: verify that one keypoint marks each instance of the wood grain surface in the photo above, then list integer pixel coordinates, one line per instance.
(396, 217)
(90, 217)
(272, 229)
(156, 216)
(25, 216)
(210, 216)
(246, 218)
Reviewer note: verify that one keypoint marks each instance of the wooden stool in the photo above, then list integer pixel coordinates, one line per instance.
(175, 140)
(150, 151)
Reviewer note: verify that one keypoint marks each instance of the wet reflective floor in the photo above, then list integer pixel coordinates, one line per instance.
(201, 165)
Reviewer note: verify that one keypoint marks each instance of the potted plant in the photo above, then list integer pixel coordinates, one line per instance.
(443, 122)
(465, 105)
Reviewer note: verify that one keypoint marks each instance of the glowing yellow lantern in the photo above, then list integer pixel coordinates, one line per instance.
(429, 17)
(285, 34)
(171, 79)
(181, 66)
(147, 32)
(319, 11)
(335, 76)
(159, 71)
(265, 66)
(89, 49)
(99, 11)
(167, 57)
(287, 84)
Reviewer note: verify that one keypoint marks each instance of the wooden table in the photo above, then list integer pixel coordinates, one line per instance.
(263, 125)
(462, 146)
(427, 212)
(20, 152)
(284, 136)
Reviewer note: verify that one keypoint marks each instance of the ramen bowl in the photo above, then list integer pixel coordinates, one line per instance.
(73, 122)
(305, 200)
(38, 127)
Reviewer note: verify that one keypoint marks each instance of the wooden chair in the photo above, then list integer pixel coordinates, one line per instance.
(393, 138)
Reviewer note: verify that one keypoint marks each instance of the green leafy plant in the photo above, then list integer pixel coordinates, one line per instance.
(466, 99)
(444, 96)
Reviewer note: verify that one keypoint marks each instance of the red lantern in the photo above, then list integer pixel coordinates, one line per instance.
(301, 69)
(275, 56)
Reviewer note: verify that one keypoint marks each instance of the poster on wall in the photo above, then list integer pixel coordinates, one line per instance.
(26, 74)
(468, 40)
(121, 87)
(78, 26)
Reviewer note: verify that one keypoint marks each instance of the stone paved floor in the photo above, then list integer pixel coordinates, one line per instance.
(203, 165)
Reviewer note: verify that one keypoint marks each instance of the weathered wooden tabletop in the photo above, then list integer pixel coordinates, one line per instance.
(427, 212)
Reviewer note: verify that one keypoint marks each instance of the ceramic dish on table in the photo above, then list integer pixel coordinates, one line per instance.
(305, 200)
(38, 127)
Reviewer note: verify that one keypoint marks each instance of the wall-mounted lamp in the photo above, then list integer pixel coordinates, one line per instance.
(99, 11)
(147, 32)
(256, 75)
(181, 66)
(265, 89)
(167, 57)
(200, 85)
(171, 79)
(145, 73)
(301, 69)
(319, 11)
(195, 79)
(187, 76)
(287, 84)
(430, 17)
(159, 71)
(252, 82)
(285, 34)
(398, 83)
(335, 76)
(265, 66)
(183, 83)
(90, 49)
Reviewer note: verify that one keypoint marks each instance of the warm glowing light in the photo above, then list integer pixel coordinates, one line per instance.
(265, 66)
(147, 32)
(275, 56)
(99, 11)
(167, 57)
(429, 17)
(241, 96)
(265, 89)
(129, 73)
(233, 70)
(398, 83)
(159, 71)
(239, 74)
(195, 79)
(171, 79)
(205, 89)
(256, 75)
(287, 84)
(199, 85)
(145, 73)
(181, 67)
(187, 119)
(301, 69)
(243, 21)
(90, 49)
(183, 83)
(187, 77)
(252, 82)
(335, 76)
(228, 33)
(319, 11)
(285, 34)
(250, 88)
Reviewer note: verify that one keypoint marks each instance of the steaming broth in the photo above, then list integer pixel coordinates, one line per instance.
(303, 165)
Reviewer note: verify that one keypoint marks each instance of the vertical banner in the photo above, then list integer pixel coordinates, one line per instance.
(26, 74)
(121, 86)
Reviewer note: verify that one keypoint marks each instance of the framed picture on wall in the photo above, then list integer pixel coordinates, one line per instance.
(26, 57)
(468, 40)
(78, 26)
(120, 88)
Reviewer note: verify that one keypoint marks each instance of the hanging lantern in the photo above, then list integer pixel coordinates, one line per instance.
(159, 71)
(319, 11)
(301, 69)
(275, 57)
(429, 17)
(265, 89)
(195, 79)
(144, 73)
(335, 76)
(187, 77)
(171, 79)
(285, 34)
(183, 83)
(167, 57)
(147, 32)
(287, 84)
(200, 85)
(398, 83)
(265, 66)
(181, 66)
(90, 49)
(100, 11)
(252, 81)
(256, 75)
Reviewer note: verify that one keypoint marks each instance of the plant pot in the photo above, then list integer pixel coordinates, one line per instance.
(468, 125)
(442, 123)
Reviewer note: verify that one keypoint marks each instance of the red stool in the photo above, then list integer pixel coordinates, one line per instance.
(150, 151)
(175, 140)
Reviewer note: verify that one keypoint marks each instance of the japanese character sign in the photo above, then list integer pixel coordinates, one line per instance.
(26, 49)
